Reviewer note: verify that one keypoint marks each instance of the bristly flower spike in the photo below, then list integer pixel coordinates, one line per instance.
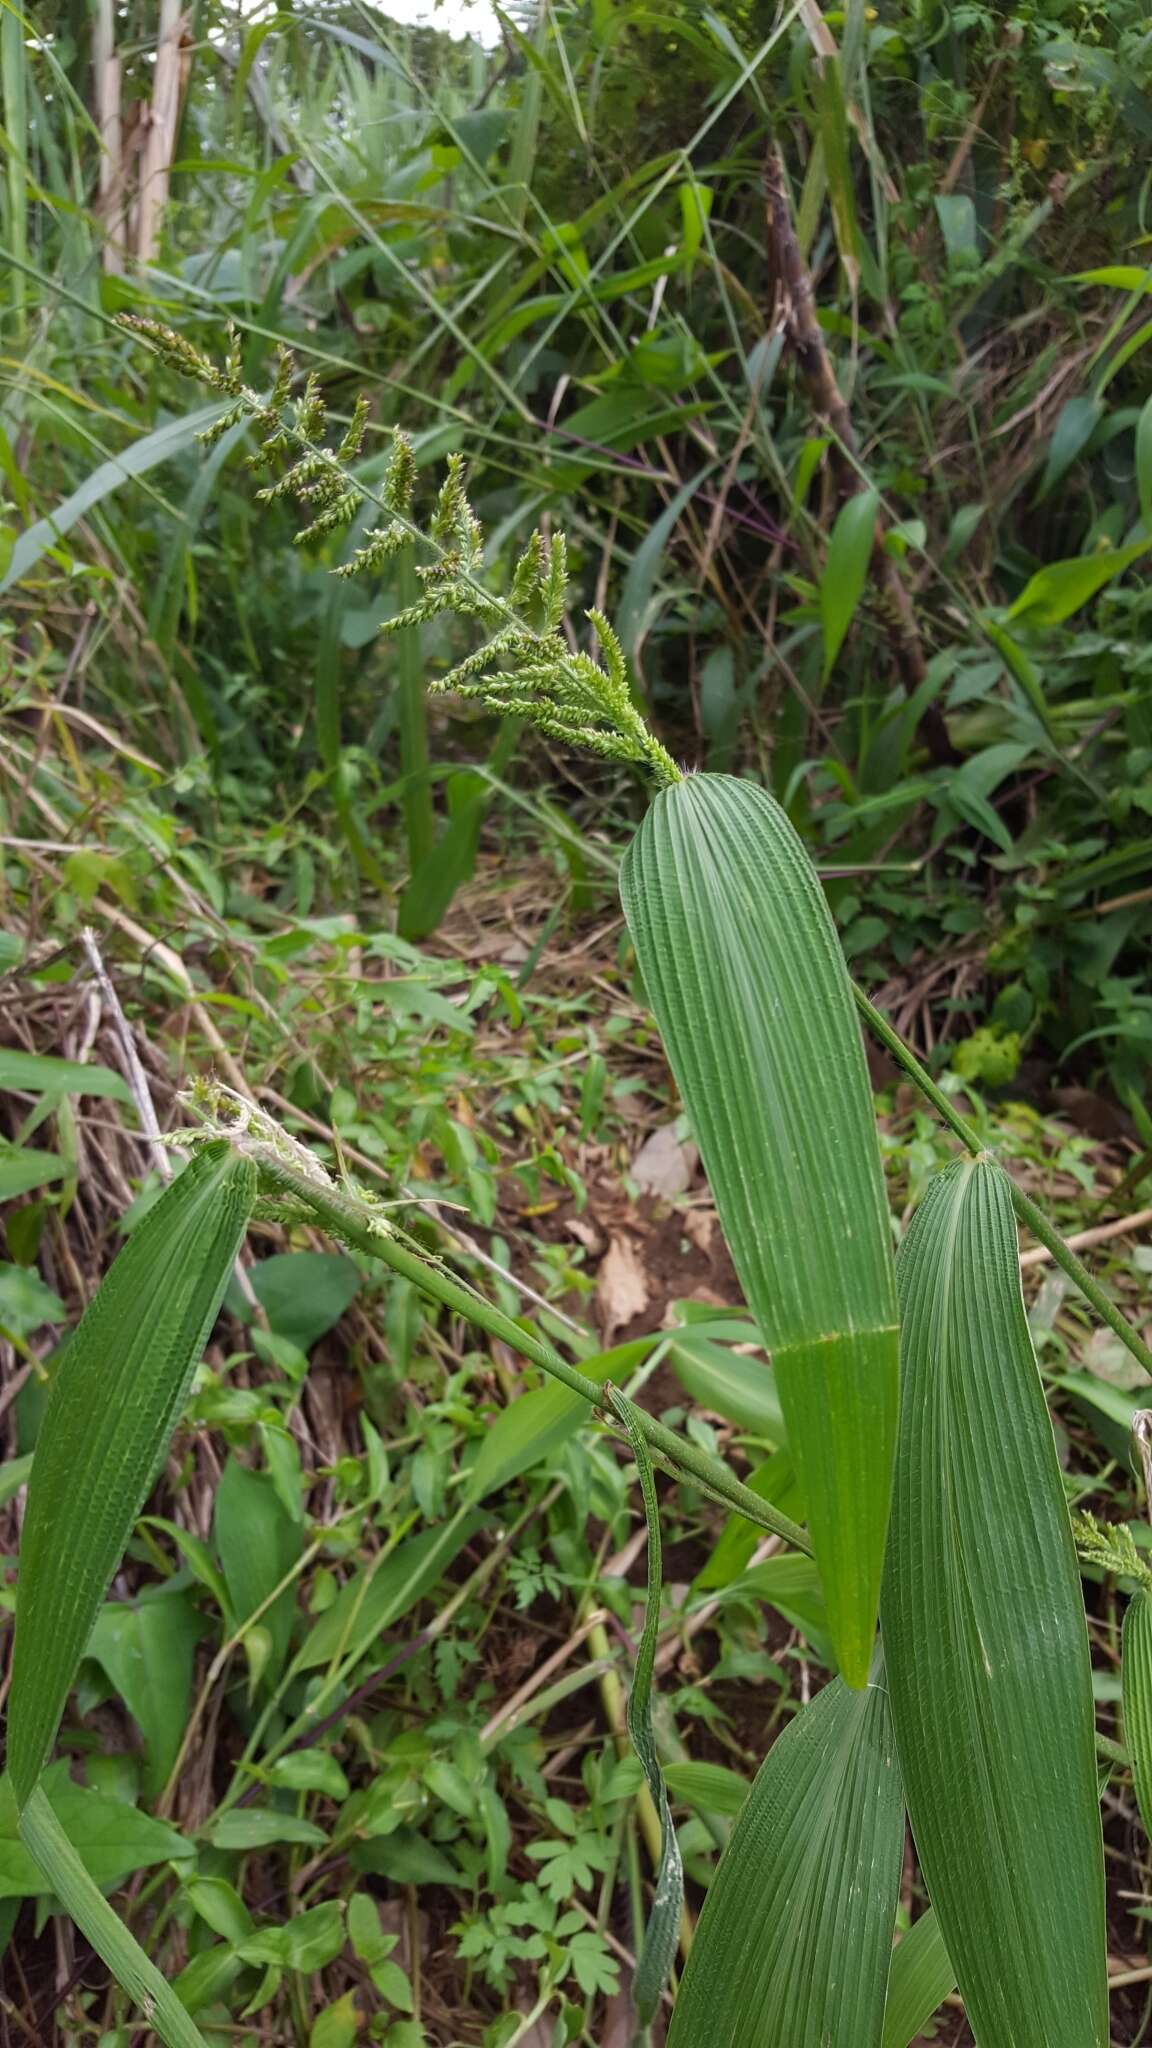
(525, 667)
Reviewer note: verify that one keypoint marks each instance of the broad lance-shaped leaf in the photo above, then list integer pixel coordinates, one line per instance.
(985, 1638)
(1136, 1670)
(744, 972)
(795, 1939)
(115, 1400)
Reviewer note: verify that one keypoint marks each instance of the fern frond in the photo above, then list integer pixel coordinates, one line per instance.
(525, 667)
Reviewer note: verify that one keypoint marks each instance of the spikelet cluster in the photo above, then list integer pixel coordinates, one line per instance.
(1111, 1546)
(523, 666)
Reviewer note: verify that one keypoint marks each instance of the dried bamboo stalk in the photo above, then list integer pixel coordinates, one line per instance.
(163, 127)
(107, 79)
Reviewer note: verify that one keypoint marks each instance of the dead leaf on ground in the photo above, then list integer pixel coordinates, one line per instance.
(586, 1232)
(622, 1290)
(700, 1228)
(1107, 1359)
(664, 1165)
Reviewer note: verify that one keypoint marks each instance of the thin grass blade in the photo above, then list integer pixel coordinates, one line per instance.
(143, 455)
(985, 1638)
(155, 2000)
(663, 1929)
(115, 1401)
(794, 1942)
(744, 972)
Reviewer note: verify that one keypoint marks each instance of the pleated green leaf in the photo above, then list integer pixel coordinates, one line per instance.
(744, 972)
(795, 1939)
(985, 1638)
(115, 1400)
(1136, 1675)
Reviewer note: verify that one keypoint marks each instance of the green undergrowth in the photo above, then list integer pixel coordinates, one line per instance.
(579, 302)
(347, 1745)
(348, 1748)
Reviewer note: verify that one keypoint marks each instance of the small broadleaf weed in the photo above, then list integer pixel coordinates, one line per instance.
(524, 668)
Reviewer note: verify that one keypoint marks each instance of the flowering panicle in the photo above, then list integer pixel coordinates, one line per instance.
(524, 667)
(1110, 1546)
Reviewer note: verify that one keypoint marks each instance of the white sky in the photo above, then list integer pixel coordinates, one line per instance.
(454, 17)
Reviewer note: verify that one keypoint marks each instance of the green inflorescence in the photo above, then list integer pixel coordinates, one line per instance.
(1111, 1547)
(524, 667)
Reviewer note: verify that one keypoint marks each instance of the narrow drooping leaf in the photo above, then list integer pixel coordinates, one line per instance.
(155, 1999)
(145, 454)
(919, 1980)
(111, 1838)
(663, 1927)
(794, 1941)
(985, 1638)
(1136, 1671)
(1144, 463)
(114, 1403)
(744, 972)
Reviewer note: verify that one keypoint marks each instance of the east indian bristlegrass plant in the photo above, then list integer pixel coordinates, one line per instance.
(913, 1405)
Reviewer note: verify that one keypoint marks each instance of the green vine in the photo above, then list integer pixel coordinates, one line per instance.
(524, 667)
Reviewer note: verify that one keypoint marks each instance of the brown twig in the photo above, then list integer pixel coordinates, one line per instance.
(133, 1069)
(792, 276)
(1121, 1226)
(137, 1081)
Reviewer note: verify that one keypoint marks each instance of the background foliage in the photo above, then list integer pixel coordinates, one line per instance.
(398, 927)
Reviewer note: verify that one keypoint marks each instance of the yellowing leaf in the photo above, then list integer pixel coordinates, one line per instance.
(338, 2025)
